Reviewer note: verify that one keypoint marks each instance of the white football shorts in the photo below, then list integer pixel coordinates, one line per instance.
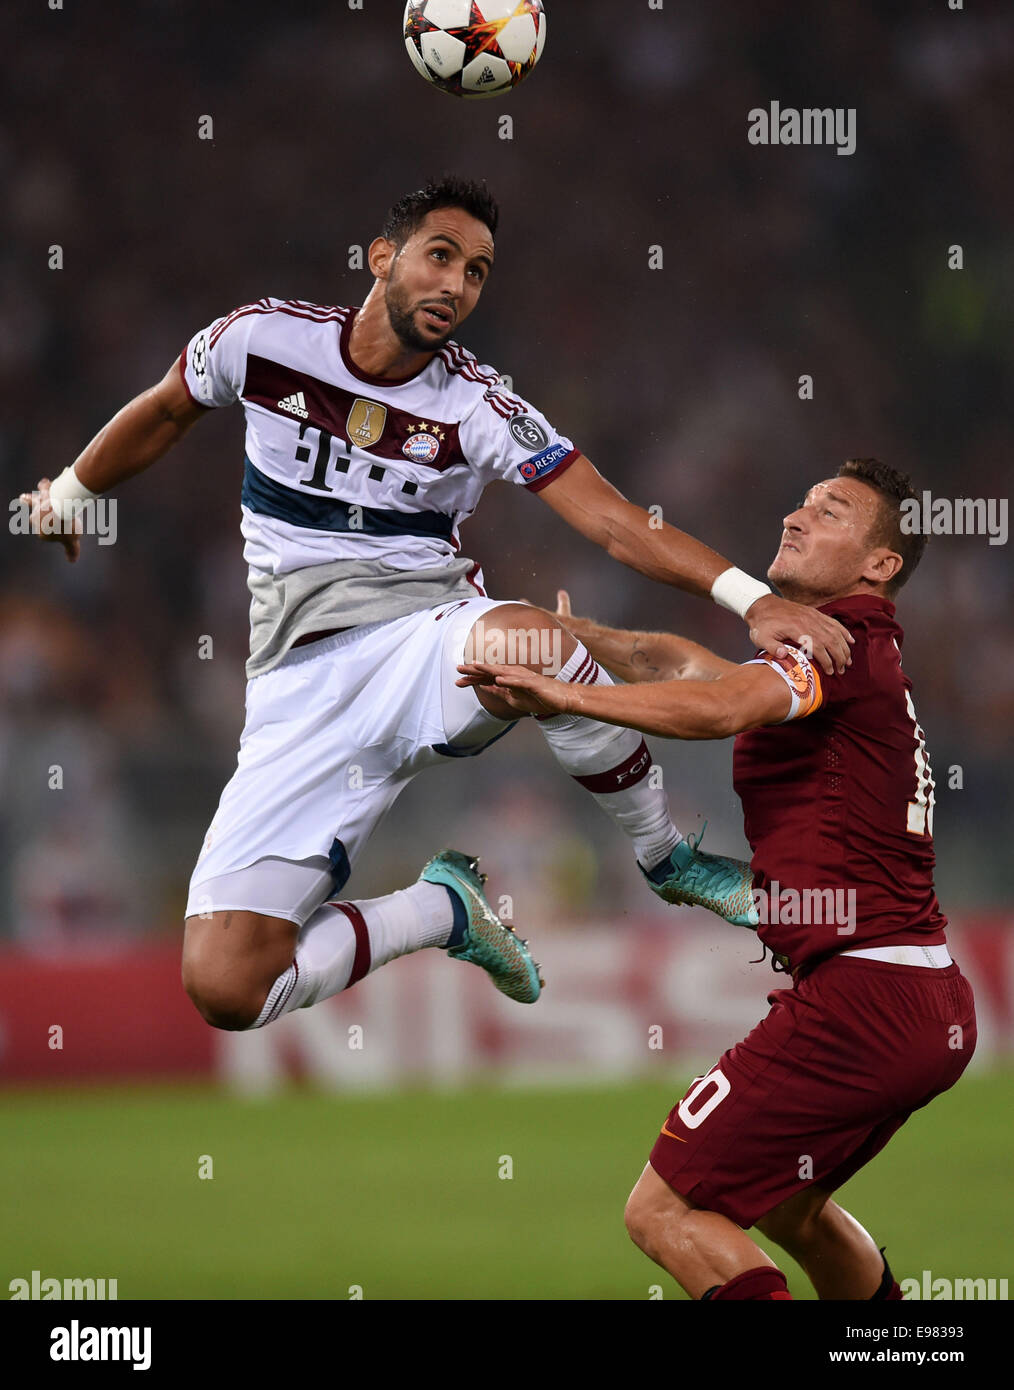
(333, 733)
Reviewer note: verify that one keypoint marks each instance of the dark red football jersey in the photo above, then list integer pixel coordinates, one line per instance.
(838, 803)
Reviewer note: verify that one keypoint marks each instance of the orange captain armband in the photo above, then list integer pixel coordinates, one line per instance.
(801, 676)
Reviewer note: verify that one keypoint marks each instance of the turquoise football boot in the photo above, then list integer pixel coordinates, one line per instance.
(487, 942)
(713, 881)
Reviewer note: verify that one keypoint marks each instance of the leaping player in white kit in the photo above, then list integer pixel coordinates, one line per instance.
(370, 436)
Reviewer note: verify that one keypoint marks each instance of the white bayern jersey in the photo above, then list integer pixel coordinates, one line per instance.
(343, 466)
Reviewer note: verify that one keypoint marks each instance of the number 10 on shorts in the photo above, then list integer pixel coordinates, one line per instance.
(705, 1095)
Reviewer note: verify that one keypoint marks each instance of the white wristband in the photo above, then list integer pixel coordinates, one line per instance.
(737, 591)
(68, 488)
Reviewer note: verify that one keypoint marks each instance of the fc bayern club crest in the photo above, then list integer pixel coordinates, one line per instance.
(422, 446)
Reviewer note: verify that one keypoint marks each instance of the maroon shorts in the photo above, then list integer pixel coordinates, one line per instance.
(819, 1086)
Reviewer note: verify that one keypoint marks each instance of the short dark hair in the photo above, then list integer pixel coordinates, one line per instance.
(894, 489)
(448, 192)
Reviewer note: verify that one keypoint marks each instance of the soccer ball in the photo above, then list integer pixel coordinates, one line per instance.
(475, 48)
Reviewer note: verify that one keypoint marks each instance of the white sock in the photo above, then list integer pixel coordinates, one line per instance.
(612, 763)
(342, 942)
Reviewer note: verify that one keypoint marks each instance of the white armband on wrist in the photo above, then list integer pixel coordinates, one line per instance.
(737, 591)
(68, 488)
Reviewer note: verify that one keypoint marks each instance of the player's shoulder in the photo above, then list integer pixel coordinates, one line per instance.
(462, 372)
(287, 314)
(876, 651)
(485, 402)
(869, 611)
(870, 619)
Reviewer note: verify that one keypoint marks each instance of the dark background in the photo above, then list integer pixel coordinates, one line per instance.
(681, 384)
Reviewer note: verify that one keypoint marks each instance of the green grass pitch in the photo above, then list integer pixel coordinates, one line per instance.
(400, 1194)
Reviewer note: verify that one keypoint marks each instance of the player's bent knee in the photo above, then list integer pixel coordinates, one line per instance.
(657, 1217)
(637, 1222)
(641, 1216)
(222, 1005)
(516, 634)
(223, 1000)
(231, 960)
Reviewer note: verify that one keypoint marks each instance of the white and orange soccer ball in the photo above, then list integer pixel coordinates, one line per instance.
(475, 48)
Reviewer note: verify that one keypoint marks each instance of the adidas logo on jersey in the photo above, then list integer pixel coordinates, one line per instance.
(295, 405)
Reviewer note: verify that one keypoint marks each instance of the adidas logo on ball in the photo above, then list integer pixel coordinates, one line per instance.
(474, 48)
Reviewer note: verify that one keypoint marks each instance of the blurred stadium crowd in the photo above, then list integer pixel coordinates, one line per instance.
(681, 384)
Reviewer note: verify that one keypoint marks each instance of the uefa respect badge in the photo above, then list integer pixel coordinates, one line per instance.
(541, 464)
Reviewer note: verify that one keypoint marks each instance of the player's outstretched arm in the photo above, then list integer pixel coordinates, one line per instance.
(138, 435)
(586, 501)
(642, 656)
(744, 698)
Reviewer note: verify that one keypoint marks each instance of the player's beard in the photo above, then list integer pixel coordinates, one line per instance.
(797, 590)
(782, 575)
(400, 314)
(786, 585)
(778, 578)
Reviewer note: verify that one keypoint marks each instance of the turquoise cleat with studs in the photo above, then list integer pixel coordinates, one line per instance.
(487, 942)
(714, 881)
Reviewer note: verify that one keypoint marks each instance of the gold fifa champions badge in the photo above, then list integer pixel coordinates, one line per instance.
(366, 422)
